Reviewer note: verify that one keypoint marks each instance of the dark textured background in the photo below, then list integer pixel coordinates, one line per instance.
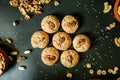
(103, 53)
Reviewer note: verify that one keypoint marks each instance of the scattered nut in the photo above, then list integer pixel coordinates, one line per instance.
(15, 23)
(111, 26)
(88, 65)
(114, 72)
(56, 3)
(91, 71)
(103, 72)
(117, 41)
(107, 7)
(10, 58)
(22, 67)
(21, 58)
(27, 51)
(116, 68)
(69, 75)
(9, 40)
(14, 53)
(110, 70)
(99, 72)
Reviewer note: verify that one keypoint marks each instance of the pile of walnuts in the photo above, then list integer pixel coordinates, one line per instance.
(26, 6)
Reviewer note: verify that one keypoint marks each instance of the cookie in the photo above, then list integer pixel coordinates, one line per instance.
(69, 58)
(61, 41)
(50, 56)
(39, 39)
(4, 61)
(50, 24)
(81, 43)
(70, 24)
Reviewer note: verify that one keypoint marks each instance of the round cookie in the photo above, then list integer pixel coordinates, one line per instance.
(40, 39)
(61, 41)
(69, 58)
(4, 61)
(50, 24)
(70, 24)
(50, 56)
(81, 43)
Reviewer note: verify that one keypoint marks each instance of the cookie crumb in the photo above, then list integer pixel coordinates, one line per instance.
(9, 40)
(107, 7)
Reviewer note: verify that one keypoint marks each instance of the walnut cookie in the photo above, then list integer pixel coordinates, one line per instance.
(39, 39)
(69, 58)
(61, 41)
(70, 24)
(50, 24)
(50, 56)
(81, 43)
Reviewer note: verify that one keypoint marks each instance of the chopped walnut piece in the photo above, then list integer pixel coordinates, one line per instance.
(21, 58)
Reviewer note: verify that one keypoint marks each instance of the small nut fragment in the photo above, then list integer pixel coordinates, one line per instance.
(14, 53)
(10, 58)
(111, 26)
(9, 40)
(110, 70)
(114, 72)
(15, 23)
(117, 41)
(22, 67)
(99, 72)
(69, 75)
(27, 51)
(116, 68)
(91, 71)
(56, 3)
(107, 7)
(21, 58)
(27, 17)
(103, 72)
(88, 65)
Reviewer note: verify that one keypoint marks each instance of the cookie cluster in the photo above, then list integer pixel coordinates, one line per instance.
(61, 41)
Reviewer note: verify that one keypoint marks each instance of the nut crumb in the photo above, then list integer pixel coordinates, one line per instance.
(69, 75)
(56, 3)
(91, 71)
(22, 67)
(14, 53)
(9, 40)
(88, 65)
(27, 51)
(11, 59)
(15, 23)
(21, 58)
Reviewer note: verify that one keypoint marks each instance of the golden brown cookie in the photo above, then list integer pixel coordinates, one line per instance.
(69, 58)
(50, 56)
(70, 24)
(4, 61)
(61, 41)
(81, 43)
(50, 24)
(39, 39)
